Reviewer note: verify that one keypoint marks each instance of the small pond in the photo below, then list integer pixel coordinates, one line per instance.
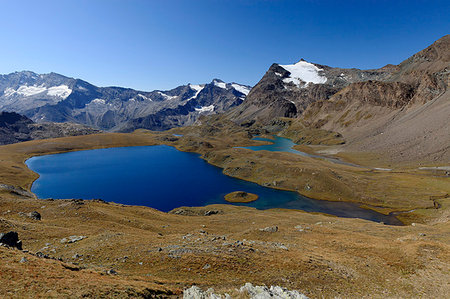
(280, 144)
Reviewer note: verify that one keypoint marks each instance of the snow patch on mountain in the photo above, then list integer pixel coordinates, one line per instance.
(305, 72)
(203, 109)
(9, 92)
(197, 88)
(144, 97)
(98, 101)
(241, 88)
(167, 97)
(220, 84)
(25, 90)
(62, 91)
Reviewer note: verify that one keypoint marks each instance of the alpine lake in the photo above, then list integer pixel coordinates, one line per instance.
(164, 178)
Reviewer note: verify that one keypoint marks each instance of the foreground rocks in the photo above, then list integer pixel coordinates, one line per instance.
(248, 290)
(11, 239)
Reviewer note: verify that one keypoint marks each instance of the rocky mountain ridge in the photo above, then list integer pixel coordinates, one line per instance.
(287, 90)
(400, 110)
(56, 98)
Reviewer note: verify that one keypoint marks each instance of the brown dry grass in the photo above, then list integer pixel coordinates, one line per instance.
(319, 255)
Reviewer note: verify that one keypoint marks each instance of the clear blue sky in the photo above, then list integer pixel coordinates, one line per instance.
(162, 44)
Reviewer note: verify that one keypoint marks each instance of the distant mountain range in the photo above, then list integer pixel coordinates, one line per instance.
(56, 98)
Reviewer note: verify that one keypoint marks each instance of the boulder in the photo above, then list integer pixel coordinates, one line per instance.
(270, 229)
(34, 215)
(11, 239)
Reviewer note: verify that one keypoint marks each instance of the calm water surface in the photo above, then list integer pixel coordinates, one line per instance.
(164, 178)
(280, 144)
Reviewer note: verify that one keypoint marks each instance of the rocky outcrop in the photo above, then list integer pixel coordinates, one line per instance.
(246, 291)
(34, 215)
(11, 239)
(14, 128)
(16, 190)
(17, 128)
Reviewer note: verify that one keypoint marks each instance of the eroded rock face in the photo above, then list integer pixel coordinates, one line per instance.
(11, 239)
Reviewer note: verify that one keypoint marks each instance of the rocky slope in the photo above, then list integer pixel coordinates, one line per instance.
(56, 98)
(405, 115)
(17, 128)
(286, 90)
(399, 110)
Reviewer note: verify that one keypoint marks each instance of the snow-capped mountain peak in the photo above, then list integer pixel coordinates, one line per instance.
(304, 71)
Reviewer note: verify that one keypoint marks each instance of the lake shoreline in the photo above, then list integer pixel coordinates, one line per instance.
(143, 137)
(163, 166)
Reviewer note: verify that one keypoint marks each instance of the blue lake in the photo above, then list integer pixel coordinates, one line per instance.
(164, 178)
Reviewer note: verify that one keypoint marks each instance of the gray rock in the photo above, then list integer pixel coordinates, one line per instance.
(23, 260)
(42, 255)
(16, 190)
(195, 292)
(270, 229)
(34, 215)
(72, 239)
(112, 272)
(247, 291)
(211, 212)
(261, 292)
